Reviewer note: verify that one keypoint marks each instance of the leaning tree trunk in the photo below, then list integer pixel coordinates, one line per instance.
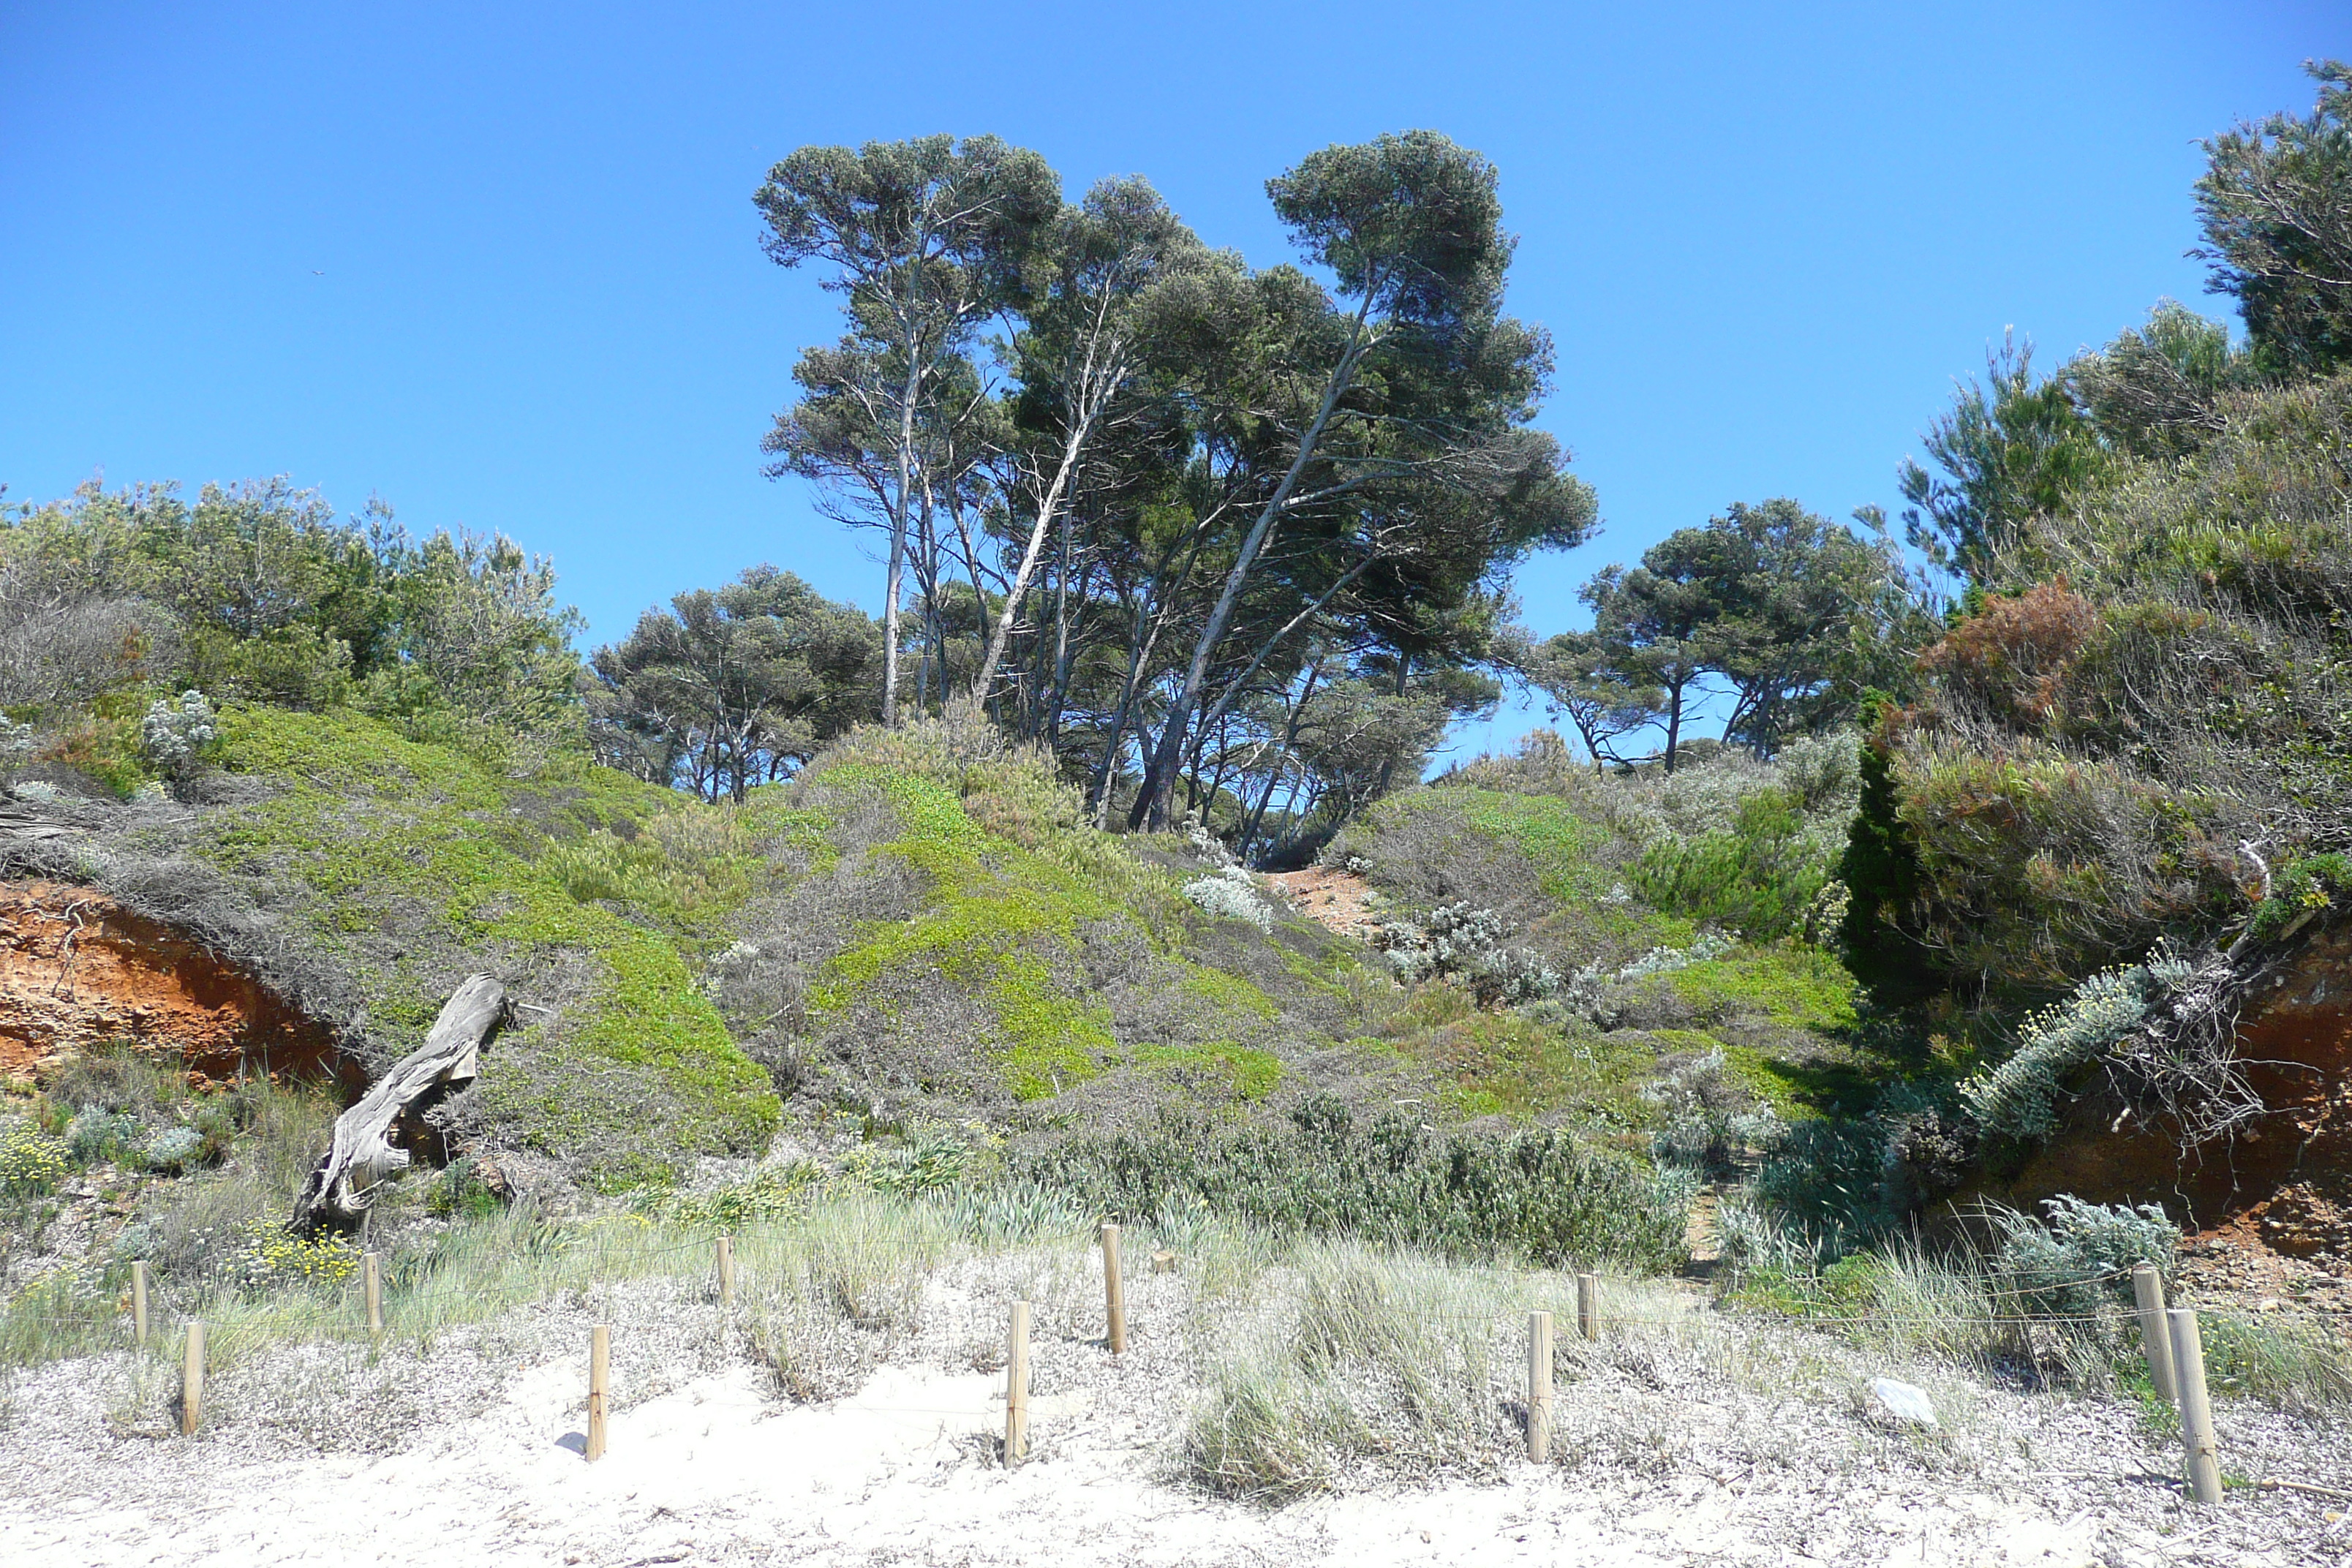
(343, 1185)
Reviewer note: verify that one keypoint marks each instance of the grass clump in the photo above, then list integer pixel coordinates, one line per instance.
(2047, 1299)
(1373, 1358)
(838, 1289)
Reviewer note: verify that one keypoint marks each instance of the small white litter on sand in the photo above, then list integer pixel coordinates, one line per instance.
(1904, 1403)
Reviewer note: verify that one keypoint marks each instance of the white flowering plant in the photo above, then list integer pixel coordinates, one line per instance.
(173, 735)
(1232, 894)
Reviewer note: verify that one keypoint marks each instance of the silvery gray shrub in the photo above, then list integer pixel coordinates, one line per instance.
(1231, 895)
(171, 736)
(173, 1150)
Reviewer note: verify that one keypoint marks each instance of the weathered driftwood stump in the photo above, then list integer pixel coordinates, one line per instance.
(363, 1154)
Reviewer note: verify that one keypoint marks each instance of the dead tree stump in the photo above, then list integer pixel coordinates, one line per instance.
(362, 1155)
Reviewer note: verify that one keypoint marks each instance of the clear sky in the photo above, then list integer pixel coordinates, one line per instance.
(499, 263)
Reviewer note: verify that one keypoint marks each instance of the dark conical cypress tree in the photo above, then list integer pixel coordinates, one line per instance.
(1881, 872)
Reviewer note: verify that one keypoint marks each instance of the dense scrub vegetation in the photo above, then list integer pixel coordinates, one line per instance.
(1214, 555)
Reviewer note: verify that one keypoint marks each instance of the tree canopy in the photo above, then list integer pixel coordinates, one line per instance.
(2275, 203)
(735, 687)
(1175, 508)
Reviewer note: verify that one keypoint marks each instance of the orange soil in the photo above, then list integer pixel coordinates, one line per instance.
(1332, 897)
(2270, 1207)
(78, 969)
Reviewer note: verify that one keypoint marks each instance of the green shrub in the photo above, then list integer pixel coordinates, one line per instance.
(687, 868)
(1542, 1196)
(1760, 876)
(457, 1192)
(2082, 1255)
(1826, 1176)
(2038, 864)
(1880, 871)
(105, 743)
(1019, 933)
(97, 1134)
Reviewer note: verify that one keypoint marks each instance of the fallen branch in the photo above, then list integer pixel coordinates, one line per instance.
(2273, 1484)
(362, 1156)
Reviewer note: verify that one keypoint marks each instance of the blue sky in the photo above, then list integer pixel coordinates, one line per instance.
(500, 264)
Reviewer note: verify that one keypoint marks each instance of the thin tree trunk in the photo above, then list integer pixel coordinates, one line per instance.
(1071, 446)
(1290, 739)
(1234, 688)
(978, 595)
(1151, 618)
(1388, 765)
(905, 459)
(1674, 723)
(1148, 803)
(1053, 691)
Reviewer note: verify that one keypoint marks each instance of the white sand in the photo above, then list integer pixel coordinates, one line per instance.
(465, 1451)
(719, 1471)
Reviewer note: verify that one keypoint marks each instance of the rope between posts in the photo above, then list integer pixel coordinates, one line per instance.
(265, 1319)
(401, 1301)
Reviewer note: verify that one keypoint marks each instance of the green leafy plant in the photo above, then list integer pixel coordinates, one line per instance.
(1543, 1195)
(2301, 889)
(2081, 1254)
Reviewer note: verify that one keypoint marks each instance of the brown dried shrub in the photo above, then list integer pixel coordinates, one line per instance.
(2008, 663)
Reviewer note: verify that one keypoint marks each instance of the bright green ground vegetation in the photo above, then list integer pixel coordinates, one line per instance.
(994, 906)
(1006, 920)
(954, 941)
(1638, 894)
(1547, 832)
(417, 863)
(1506, 1064)
(925, 902)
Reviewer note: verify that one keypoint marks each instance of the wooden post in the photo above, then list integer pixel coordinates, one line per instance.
(2196, 1406)
(1539, 1387)
(1016, 1387)
(1114, 1292)
(1587, 1307)
(192, 1384)
(726, 1270)
(373, 1271)
(139, 1303)
(600, 1376)
(2155, 1334)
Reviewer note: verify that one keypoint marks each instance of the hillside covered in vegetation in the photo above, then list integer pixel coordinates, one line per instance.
(1185, 579)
